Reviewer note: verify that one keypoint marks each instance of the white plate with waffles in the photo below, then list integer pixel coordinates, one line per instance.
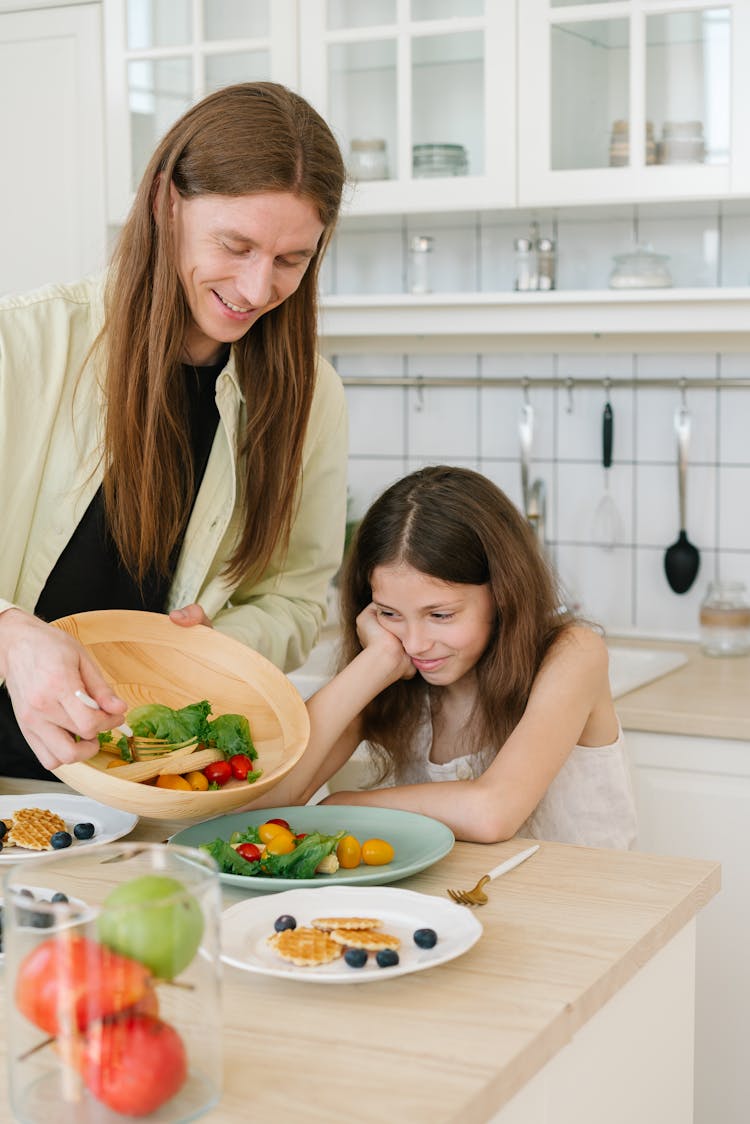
(109, 823)
(246, 927)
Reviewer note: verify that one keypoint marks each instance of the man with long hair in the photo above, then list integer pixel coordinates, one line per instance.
(170, 440)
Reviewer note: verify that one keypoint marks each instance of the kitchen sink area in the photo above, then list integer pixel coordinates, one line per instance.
(629, 667)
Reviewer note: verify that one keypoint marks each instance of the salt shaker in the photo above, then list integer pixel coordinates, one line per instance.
(419, 263)
(525, 256)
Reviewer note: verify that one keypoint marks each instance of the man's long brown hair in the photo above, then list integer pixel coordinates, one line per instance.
(455, 525)
(241, 140)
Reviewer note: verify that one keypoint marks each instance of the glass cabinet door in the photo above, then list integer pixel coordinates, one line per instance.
(163, 55)
(420, 95)
(634, 100)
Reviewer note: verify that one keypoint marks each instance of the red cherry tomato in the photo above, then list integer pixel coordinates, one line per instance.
(250, 852)
(282, 823)
(301, 835)
(218, 772)
(240, 764)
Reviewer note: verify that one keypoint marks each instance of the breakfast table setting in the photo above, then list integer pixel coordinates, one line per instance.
(561, 934)
(170, 954)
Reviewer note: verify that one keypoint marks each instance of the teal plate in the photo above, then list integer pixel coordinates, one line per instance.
(417, 841)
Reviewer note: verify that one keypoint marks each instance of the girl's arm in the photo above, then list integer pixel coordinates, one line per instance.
(570, 702)
(335, 726)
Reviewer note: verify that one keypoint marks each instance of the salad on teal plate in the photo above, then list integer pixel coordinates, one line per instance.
(417, 842)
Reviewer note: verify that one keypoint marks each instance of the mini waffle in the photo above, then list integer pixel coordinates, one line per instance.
(34, 827)
(328, 924)
(305, 947)
(369, 939)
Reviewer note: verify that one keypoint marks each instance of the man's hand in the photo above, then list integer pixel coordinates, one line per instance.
(43, 669)
(190, 615)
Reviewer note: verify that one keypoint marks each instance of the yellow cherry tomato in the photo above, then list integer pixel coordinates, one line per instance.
(171, 780)
(198, 781)
(376, 852)
(115, 763)
(282, 843)
(349, 852)
(266, 831)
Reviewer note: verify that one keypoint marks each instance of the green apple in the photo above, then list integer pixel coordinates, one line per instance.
(153, 920)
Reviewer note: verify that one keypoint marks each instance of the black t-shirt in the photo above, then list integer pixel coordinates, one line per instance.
(89, 574)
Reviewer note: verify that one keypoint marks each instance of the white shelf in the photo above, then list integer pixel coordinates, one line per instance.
(589, 313)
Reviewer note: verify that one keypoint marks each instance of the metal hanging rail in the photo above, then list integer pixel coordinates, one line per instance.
(420, 382)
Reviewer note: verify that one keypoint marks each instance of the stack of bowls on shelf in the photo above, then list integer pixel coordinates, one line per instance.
(439, 160)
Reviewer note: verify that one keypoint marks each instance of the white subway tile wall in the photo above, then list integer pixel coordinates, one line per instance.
(615, 577)
(612, 569)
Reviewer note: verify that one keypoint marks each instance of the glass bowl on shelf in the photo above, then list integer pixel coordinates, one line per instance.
(439, 160)
(640, 268)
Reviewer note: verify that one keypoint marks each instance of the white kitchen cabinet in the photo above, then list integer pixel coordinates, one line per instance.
(52, 214)
(164, 55)
(417, 75)
(632, 99)
(693, 797)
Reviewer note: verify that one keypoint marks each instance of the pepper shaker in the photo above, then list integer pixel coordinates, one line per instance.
(546, 257)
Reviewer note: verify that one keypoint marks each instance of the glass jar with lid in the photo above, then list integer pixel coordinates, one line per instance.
(368, 159)
(725, 619)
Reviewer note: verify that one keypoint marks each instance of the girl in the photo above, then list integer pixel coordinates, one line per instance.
(460, 666)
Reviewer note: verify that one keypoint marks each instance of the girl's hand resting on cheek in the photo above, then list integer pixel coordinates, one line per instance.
(372, 634)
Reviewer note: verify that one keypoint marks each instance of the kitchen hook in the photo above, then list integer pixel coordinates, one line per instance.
(569, 384)
(419, 400)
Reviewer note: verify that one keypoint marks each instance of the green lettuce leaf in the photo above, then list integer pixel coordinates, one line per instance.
(228, 860)
(231, 734)
(302, 861)
(154, 720)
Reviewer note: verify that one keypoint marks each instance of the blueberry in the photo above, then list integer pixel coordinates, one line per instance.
(59, 897)
(387, 957)
(3, 827)
(356, 957)
(25, 893)
(61, 839)
(425, 938)
(285, 922)
(84, 830)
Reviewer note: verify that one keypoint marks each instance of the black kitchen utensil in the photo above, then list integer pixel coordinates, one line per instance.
(606, 528)
(682, 560)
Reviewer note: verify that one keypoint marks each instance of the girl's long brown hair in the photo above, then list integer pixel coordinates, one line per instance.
(457, 526)
(241, 140)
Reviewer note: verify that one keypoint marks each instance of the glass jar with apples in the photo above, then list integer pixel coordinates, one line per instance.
(112, 986)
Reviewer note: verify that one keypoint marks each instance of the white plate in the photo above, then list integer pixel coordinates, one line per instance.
(246, 926)
(44, 894)
(109, 823)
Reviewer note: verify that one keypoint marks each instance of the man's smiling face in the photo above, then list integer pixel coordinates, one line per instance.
(238, 257)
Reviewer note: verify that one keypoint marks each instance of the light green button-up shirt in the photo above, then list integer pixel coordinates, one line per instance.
(51, 412)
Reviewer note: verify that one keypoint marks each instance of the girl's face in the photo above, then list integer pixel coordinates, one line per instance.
(238, 257)
(444, 627)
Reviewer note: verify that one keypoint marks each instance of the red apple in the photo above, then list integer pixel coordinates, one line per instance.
(133, 1063)
(67, 982)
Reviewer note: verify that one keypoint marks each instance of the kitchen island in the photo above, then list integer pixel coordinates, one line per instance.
(575, 1005)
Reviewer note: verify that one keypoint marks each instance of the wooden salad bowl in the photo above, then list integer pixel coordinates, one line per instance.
(148, 659)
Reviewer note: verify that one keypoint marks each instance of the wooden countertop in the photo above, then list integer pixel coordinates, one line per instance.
(563, 933)
(706, 697)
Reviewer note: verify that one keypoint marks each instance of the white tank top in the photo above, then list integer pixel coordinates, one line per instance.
(590, 802)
